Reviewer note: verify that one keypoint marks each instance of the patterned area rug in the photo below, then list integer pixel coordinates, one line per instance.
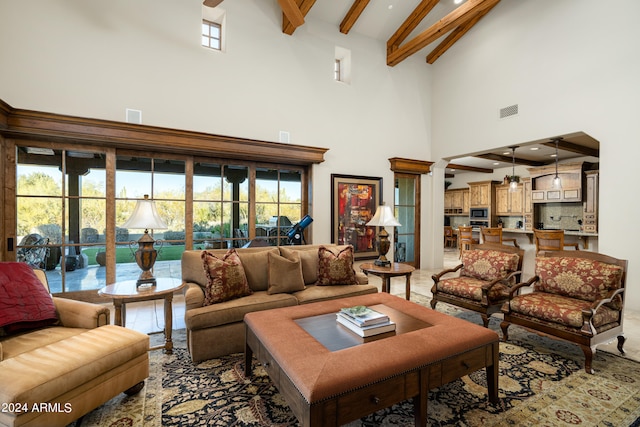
(542, 382)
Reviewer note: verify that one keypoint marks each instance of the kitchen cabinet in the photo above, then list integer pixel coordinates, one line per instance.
(570, 175)
(590, 204)
(508, 203)
(482, 194)
(456, 202)
(527, 205)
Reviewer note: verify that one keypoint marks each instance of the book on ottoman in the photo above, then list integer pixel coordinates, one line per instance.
(366, 331)
(363, 316)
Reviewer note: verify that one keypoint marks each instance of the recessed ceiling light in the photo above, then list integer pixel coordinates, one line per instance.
(507, 153)
(458, 1)
(534, 148)
(553, 155)
(390, 6)
(496, 163)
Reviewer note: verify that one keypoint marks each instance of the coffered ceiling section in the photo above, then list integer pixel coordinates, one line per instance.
(416, 24)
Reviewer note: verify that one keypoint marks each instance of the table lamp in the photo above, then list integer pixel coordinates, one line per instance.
(383, 217)
(145, 215)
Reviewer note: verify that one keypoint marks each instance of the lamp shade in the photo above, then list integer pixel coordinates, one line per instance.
(145, 215)
(383, 217)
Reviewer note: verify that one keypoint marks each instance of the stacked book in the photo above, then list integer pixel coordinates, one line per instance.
(365, 321)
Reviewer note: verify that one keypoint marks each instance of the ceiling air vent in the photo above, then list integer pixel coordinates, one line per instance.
(509, 111)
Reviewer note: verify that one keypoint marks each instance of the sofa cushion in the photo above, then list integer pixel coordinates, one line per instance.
(488, 265)
(315, 293)
(233, 311)
(471, 288)
(559, 309)
(582, 278)
(226, 278)
(285, 276)
(24, 302)
(336, 268)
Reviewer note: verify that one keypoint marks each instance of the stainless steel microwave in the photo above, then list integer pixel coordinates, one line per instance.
(479, 213)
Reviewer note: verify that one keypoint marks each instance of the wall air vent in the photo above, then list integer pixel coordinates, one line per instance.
(134, 116)
(509, 111)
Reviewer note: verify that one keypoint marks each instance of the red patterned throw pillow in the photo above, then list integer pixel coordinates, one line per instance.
(488, 265)
(336, 268)
(24, 302)
(225, 277)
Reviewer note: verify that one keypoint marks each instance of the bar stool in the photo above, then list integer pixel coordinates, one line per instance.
(494, 235)
(450, 238)
(465, 238)
(551, 240)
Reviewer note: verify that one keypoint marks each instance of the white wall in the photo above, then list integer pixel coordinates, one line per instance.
(96, 58)
(570, 66)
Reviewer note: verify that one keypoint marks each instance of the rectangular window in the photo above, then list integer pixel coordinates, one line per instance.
(61, 215)
(211, 35)
(337, 71)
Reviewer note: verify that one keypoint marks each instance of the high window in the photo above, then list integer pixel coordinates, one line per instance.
(211, 35)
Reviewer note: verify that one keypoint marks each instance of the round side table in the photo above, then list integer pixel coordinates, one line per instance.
(386, 273)
(126, 291)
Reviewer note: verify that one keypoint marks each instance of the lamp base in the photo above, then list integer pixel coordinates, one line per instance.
(146, 282)
(382, 263)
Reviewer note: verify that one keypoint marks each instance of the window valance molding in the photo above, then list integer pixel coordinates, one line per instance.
(42, 126)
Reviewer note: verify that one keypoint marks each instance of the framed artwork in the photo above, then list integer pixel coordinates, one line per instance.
(354, 200)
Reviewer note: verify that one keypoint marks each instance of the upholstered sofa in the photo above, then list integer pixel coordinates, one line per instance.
(276, 277)
(576, 296)
(64, 359)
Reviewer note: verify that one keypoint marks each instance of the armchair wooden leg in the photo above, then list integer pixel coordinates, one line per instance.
(485, 320)
(588, 358)
(504, 326)
(621, 340)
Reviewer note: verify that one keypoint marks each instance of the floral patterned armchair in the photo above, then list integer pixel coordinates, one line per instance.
(485, 277)
(577, 296)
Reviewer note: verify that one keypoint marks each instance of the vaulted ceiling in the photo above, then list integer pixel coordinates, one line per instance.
(425, 21)
(408, 26)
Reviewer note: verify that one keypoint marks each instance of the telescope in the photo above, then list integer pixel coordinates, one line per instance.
(295, 235)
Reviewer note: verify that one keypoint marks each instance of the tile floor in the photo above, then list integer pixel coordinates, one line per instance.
(148, 316)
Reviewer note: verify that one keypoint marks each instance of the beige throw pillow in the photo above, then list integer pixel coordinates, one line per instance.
(309, 260)
(285, 275)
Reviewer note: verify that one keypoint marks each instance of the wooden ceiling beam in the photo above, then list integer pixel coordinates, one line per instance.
(212, 3)
(303, 6)
(410, 24)
(455, 35)
(509, 159)
(460, 15)
(468, 168)
(574, 148)
(352, 15)
(291, 10)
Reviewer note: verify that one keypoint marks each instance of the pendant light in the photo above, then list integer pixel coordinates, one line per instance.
(513, 184)
(557, 184)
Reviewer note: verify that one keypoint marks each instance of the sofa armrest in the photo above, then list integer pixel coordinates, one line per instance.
(587, 314)
(193, 296)
(362, 278)
(81, 314)
(436, 277)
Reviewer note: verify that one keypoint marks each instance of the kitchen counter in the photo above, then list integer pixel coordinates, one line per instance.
(584, 237)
